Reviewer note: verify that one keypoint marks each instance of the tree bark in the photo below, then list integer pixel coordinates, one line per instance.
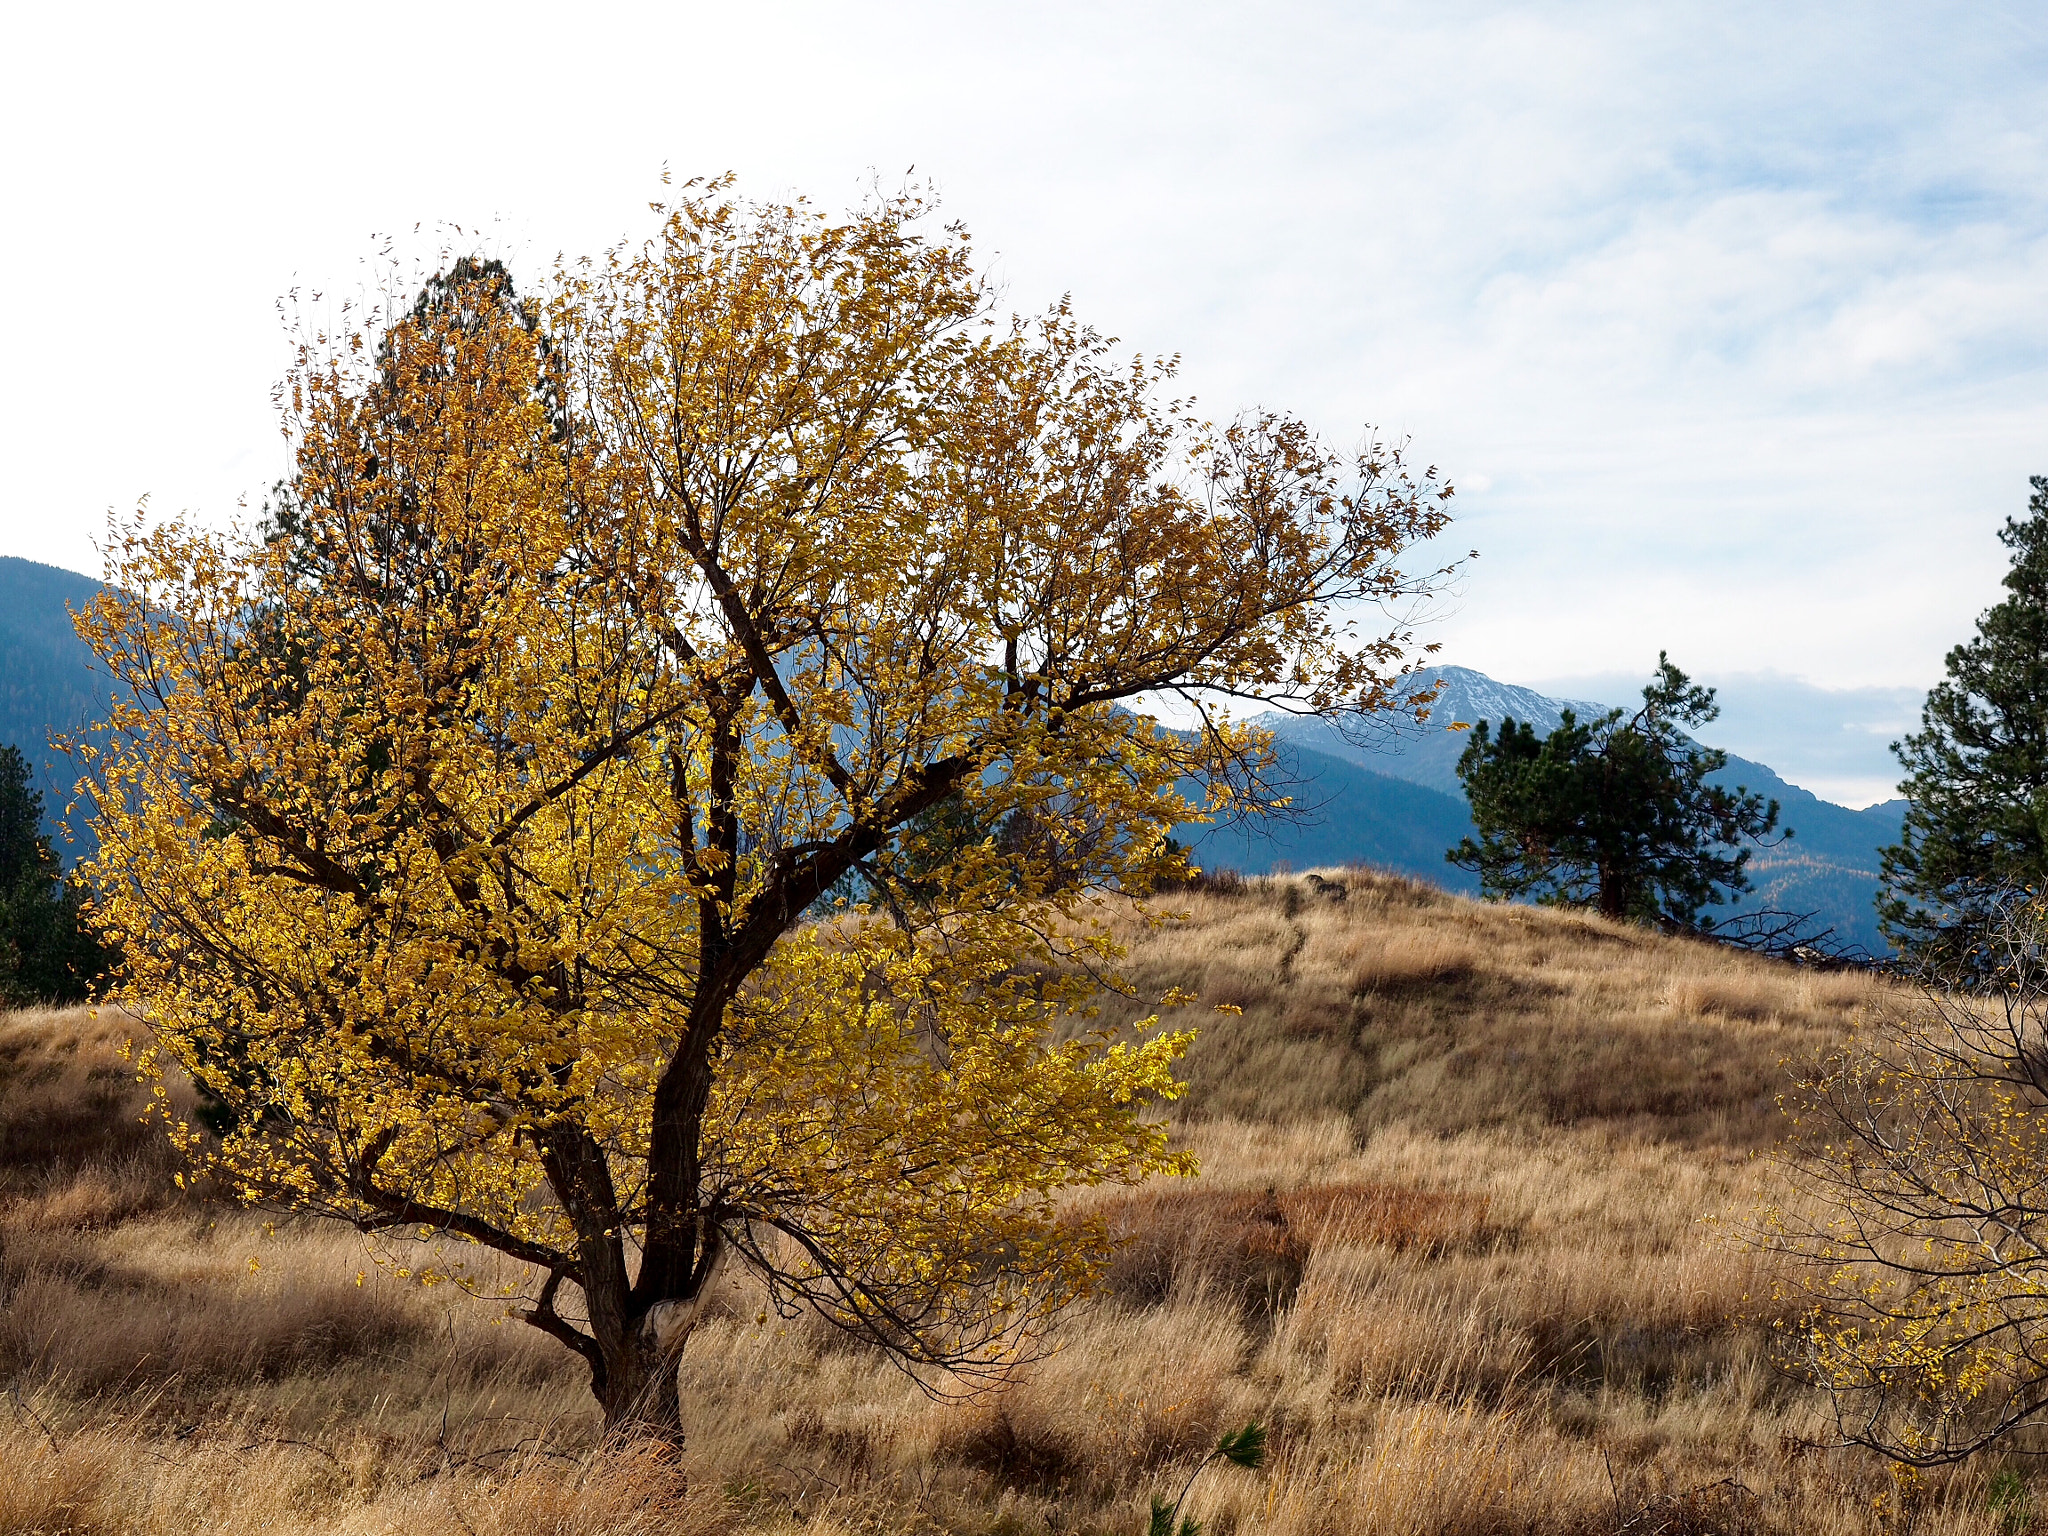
(636, 1384)
(638, 1393)
(1610, 895)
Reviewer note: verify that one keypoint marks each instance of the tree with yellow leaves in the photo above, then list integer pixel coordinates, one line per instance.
(461, 834)
(1918, 1232)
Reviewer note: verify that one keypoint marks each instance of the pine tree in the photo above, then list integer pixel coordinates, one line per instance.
(1976, 781)
(46, 952)
(1614, 814)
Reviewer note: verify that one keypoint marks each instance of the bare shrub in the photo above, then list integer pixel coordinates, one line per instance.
(1253, 1248)
(1004, 1437)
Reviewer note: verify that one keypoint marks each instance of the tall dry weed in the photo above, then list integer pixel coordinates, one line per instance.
(1447, 1469)
(117, 1480)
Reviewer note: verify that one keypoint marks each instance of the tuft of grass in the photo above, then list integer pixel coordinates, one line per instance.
(1254, 1248)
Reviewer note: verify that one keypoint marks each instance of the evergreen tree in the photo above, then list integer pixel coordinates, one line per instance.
(463, 300)
(1976, 780)
(1614, 814)
(47, 954)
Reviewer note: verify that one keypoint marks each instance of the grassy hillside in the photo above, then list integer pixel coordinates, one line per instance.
(1830, 865)
(1451, 1243)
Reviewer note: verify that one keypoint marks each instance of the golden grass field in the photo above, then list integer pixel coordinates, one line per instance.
(1466, 1239)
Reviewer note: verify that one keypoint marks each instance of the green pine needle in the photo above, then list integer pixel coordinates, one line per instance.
(1246, 1447)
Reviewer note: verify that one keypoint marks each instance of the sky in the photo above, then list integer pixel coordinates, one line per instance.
(1835, 742)
(1729, 322)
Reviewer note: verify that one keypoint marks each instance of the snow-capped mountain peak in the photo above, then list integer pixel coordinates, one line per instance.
(1468, 697)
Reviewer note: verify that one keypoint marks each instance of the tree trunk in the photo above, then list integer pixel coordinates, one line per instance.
(1610, 895)
(638, 1392)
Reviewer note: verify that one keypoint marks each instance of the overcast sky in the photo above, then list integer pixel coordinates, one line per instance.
(1729, 322)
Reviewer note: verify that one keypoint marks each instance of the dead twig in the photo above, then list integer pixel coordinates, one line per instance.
(1686, 1502)
(22, 1410)
(304, 1445)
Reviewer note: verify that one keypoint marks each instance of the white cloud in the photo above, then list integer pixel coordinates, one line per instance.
(1729, 320)
(1835, 742)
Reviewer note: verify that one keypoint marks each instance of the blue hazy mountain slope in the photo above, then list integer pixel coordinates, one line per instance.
(1829, 868)
(46, 671)
(47, 678)
(1343, 813)
(1391, 799)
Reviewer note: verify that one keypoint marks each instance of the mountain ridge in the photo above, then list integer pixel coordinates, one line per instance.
(1388, 795)
(1830, 867)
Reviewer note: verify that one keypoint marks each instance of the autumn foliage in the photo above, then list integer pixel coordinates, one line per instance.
(461, 833)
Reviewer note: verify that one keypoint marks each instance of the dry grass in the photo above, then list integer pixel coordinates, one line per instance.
(1449, 1244)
